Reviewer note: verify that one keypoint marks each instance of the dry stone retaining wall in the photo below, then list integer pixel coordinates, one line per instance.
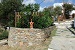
(26, 36)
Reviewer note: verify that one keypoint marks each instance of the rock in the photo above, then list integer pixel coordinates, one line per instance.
(2, 42)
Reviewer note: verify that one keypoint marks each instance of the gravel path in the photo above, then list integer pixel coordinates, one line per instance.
(64, 39)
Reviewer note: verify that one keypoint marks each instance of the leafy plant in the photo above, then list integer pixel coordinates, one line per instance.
(4, 35)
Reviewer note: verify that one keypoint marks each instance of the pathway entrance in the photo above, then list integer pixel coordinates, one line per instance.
(64, 39)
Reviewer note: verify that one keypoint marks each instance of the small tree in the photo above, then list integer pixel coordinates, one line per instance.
(58, 10)
(68, 9)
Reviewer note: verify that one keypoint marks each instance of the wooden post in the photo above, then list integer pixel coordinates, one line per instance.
(17, 17)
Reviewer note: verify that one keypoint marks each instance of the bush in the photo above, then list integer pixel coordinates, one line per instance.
(39, 22)
(4, 35)
(42, 22)
(23, 22)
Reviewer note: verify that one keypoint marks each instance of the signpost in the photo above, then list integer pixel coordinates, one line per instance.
(17, 17)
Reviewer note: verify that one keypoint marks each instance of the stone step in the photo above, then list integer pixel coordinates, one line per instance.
(63, 27)
(66, 22)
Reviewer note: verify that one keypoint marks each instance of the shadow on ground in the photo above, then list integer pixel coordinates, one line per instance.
(71, 31)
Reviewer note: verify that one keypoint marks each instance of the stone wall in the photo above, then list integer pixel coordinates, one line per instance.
(26, 36)
(47, 31)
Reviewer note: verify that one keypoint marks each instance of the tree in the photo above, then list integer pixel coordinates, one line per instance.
(27, 12)
(27, 15)
(58, 10)
(43, 21)
(40, 21)
(68, 9)
(52, 12)
(8, 7)
(30, 9)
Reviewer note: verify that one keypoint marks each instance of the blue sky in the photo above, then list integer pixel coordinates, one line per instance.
(50, 3)
(46, 3)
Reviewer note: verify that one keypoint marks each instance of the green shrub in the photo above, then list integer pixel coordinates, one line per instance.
(4, 35)
(23, 22)
(42, 22)
(39, 22)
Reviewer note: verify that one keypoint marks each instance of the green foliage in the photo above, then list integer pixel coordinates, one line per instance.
(42, 22)
(68, 9)
(29, 9)
(27, 15)
(52, 12)
(7, 14)
(58, 10)
(4, 35)
(23, 22)
(39, 22)
(7, 8)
